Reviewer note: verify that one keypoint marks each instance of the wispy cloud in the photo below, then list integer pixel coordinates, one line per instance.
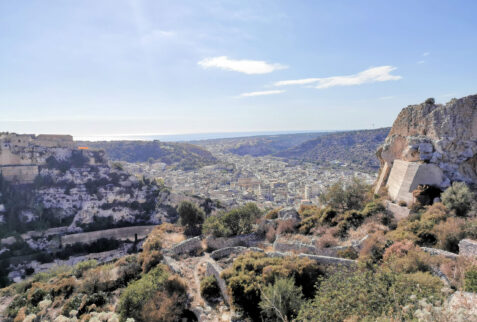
(272, 92)
(241, 66)
(371, 75)
(426, 54)
(421, 62)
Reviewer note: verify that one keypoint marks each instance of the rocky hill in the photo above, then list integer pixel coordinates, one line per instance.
(267, 144)
(444, 135)
(430, 144)
(183, 156)
(357, 147)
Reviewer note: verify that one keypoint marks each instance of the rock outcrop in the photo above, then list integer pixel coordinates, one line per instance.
(436, 145)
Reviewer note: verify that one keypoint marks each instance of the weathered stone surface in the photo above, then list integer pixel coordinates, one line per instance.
(468, 247)
(298, 247)
(172, 264)
(224, 252)
(214, 270)
(439, 252)
(399, 212)
(442, 135)
(327, 260)
(187, 246)
(288, 213)
(405, 176)
(242, 240)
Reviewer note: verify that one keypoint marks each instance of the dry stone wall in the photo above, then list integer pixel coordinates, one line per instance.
(468, 247)
(214, 270)
(188, 246)
(242, 240)
(225, 252)
(439, 252)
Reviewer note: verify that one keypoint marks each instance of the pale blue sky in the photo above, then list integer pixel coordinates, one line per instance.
(98, 67)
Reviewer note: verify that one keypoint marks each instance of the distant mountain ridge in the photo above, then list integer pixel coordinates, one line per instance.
(269, 144)
(357, 147)
(184, 156)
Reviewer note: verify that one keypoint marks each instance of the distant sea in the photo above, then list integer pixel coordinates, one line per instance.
(185, 137)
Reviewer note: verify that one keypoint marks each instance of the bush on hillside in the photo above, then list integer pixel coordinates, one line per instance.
(154, 297)
(458, 198)
(470, 280)
(252, 271)
(209, 288)
(281, 300)
(368, 295)
(343, 197)
(191, 217)
(236, 222)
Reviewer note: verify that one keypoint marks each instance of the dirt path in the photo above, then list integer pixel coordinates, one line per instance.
(4, 303)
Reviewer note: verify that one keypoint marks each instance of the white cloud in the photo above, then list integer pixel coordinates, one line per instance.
(242, 66)
(371, 75)
(421, 62)
(426, 54)
(251, 94)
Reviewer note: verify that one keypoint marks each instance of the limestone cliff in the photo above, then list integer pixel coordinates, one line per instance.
(442, 136)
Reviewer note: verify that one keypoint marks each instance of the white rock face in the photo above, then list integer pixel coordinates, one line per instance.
(441, 136)
(444, 135)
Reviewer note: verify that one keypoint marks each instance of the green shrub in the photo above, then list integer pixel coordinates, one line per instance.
(147, 297)
(84, 266)
(191, 217)
(308, 224)
(36, 293)
(458, 198)
(238, 221)
(430, 101)
(372, 208)
(209, 289)
(368, 295)
(348, 252)
(252, 271)
(73, 303)
(281, 300)
(470, 280)
(345, 197)
(18, 302)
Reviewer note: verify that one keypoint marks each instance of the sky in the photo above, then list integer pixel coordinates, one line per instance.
(99, 68)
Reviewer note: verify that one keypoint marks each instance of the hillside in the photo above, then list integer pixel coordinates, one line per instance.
(179, 155)
(357, 147)
(264, 144)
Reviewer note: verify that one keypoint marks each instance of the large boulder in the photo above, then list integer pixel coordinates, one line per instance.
(436, 134)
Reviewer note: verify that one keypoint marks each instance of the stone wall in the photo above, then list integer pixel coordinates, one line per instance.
(214, 270)
(242, 240)
(173, 265)
(225, 252)
(439, 252)
(298, 247)
(468, 247)
(187, 246)
(399, 212)
(125, 233)
(327, 260)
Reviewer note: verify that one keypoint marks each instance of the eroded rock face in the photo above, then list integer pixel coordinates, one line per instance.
(444, 135)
